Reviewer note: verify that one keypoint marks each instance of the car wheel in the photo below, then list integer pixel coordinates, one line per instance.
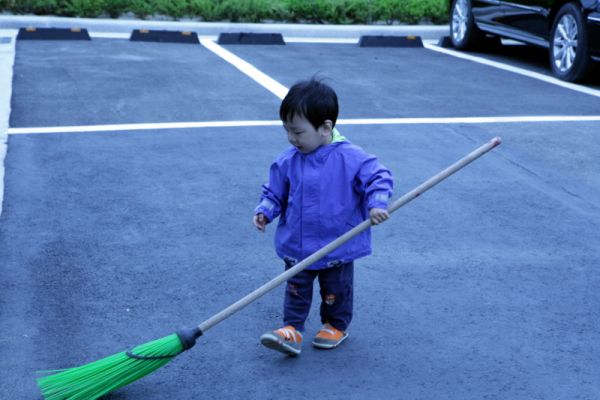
(463, 31)
(569, 50)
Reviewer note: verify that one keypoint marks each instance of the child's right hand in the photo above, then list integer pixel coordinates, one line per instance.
(260, 221)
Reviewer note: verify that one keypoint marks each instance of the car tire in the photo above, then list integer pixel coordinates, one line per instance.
(464, 33)
(569, 45)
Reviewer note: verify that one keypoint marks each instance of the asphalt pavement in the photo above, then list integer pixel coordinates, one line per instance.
(483, 288)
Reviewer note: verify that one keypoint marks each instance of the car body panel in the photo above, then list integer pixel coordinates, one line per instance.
(487, 12)
(593, 22)
(528, 16)
(530, 21)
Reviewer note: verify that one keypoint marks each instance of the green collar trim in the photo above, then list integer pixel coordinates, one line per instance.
(336, 136)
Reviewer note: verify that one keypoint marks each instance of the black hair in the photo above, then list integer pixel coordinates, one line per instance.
(311, 99)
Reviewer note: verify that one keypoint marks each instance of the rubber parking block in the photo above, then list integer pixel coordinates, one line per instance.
(445, 41)
(251, 38)
(146, 35)
(33, 33)
(390, 41)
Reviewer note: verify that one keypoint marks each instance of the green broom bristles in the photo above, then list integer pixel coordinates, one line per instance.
(100, 377)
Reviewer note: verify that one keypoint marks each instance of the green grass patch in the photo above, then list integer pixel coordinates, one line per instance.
(306, 11)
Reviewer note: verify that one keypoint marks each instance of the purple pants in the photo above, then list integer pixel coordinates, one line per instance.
(336, 296)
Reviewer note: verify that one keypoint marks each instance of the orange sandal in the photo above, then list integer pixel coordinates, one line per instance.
(329, 337)
(286, 340)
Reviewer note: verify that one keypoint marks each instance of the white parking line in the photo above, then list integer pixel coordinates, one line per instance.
(516, 70)
(250, 123)
(264, 80)
(7, 58)
(321, 40)
(109, 35)
(139, 127)
(471, 120)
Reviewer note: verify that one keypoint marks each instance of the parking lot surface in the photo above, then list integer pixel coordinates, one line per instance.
(485, 287)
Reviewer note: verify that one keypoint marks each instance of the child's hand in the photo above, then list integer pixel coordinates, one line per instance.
(378, 215)
(260, 221)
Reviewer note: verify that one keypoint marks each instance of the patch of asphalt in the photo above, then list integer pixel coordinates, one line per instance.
(10, 23)
(7, 57)
(214, 28)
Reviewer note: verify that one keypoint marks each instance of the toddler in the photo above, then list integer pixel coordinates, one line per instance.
(320, 187)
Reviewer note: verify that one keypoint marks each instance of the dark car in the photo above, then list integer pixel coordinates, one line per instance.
(570, 30)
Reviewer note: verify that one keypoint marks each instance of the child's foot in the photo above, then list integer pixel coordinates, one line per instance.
(329, 337)
(286, 340)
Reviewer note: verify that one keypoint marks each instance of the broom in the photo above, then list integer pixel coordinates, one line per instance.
(100, 377)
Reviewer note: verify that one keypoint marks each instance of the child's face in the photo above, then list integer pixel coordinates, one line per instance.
(304, 136)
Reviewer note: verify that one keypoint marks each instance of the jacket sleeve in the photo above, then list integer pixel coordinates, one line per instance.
(375, 181)
(274, 194)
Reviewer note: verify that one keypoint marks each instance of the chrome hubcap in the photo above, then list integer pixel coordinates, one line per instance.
(460, 17)
(565, 43)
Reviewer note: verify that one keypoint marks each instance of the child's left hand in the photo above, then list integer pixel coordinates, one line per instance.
(378, 215)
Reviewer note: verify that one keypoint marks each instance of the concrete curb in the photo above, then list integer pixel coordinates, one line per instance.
(7, 58)
(215, 28)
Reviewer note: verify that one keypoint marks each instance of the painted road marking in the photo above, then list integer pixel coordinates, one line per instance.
(287, 39)
(139, 127)
(109, 35)
(261, 78)
(250, 123)
(321, 40)
(516, 70)
(7, 59)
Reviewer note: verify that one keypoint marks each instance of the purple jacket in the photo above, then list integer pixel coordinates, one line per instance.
(321, 195)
